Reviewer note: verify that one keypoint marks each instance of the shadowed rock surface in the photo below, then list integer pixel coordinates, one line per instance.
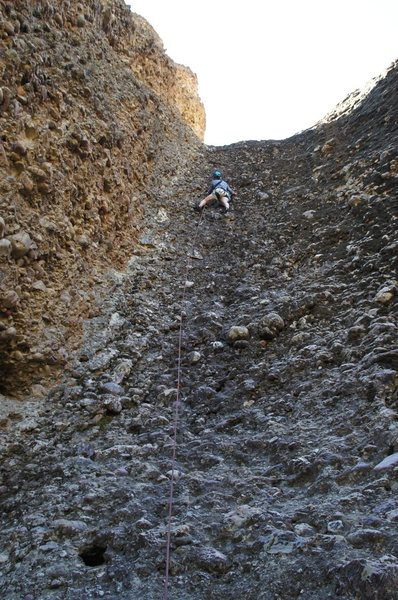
(286, 474)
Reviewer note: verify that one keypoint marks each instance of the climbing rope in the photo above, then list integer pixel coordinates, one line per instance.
(176, 420)
(308, 161)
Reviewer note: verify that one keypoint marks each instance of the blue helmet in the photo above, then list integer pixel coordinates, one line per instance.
(217, 175)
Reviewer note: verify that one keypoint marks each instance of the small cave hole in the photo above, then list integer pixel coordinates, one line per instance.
(93, 556)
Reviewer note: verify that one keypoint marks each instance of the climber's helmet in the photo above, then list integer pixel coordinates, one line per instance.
(217, 175)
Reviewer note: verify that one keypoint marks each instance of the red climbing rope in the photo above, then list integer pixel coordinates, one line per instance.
(175, 423)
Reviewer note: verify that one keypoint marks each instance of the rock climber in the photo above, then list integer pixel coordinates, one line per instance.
(219, 190)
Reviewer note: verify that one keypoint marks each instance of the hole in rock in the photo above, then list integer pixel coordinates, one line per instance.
(93, 556)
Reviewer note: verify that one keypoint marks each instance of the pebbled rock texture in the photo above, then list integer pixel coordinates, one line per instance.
(96, 122)
(285, 478)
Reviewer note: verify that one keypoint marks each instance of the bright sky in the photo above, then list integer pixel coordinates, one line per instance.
(270, 68)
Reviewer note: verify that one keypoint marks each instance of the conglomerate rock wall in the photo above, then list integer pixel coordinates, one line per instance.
(96, 120)
(285, 478)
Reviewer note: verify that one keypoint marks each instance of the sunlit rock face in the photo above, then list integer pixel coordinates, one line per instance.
(95, 119)
(283, 313)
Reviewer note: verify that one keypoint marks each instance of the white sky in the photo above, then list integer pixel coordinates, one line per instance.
(270, 68)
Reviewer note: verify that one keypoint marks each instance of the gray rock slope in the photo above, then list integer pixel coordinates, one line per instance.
(287, 448)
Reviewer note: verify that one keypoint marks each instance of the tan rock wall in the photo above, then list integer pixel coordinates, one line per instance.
(89, 116)
(176, 84)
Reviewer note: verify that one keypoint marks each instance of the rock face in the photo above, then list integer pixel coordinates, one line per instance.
(96, 122)
(285, 310)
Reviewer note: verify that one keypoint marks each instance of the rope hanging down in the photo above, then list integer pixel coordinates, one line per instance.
(334, 128)
(175, 423)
